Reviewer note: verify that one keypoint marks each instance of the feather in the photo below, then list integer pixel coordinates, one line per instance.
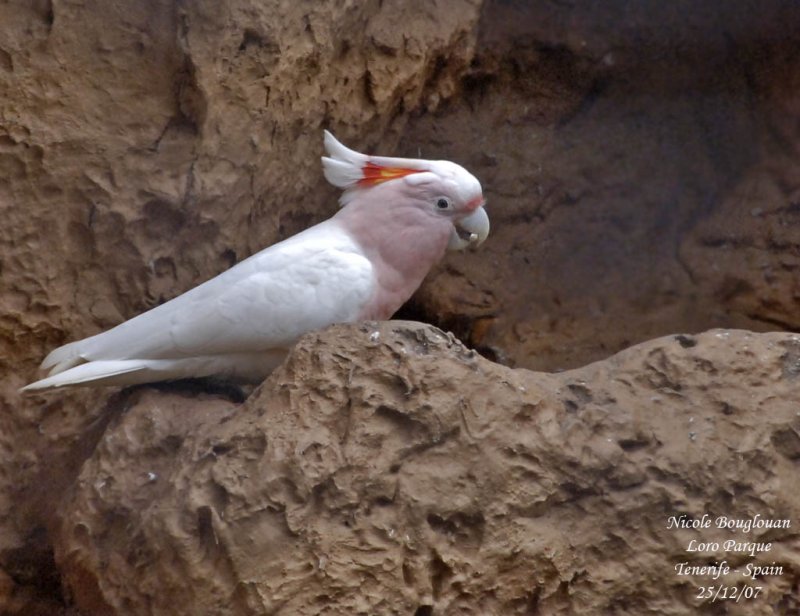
(311, 280)
(246, 366)
(363, 263)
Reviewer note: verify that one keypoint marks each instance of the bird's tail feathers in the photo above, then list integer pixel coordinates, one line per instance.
(108, 372)
(244, 366)
(63, 358)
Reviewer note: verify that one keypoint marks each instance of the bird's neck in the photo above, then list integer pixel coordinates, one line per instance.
(402, 241)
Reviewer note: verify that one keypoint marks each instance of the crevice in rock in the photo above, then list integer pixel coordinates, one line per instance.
(33, 567)
(440, 574)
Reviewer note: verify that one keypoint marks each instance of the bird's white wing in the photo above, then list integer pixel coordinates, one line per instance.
(306, 282)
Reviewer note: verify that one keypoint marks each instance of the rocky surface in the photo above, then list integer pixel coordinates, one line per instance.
(386, 469)
(145, 147)
(640, 163)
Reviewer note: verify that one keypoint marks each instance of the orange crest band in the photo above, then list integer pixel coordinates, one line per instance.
(375, 174)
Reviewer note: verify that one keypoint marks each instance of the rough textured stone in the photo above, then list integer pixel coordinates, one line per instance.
(387, 469)
(640, 162)
(146, 146)
(640, 165)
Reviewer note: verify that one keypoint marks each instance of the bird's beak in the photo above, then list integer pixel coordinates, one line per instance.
(470, 231)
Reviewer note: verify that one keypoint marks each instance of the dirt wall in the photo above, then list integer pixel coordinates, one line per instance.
(639, 160)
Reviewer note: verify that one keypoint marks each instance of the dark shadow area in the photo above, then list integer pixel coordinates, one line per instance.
(639, 163)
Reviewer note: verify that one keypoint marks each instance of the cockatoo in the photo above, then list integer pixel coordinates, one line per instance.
(398, 217)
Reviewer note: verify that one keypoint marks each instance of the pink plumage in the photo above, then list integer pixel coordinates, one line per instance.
(398, 218)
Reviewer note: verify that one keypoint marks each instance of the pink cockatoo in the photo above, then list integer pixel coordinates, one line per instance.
(399, 216)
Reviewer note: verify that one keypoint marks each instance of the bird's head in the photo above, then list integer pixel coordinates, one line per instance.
(451, 190)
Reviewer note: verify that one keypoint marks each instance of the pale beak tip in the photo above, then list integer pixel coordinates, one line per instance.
(471, 231)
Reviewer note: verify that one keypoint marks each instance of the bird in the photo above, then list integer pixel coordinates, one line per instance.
(398, 217)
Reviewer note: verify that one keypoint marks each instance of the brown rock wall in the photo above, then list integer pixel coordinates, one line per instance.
(387, 469)
(640, 166)
(146, 146)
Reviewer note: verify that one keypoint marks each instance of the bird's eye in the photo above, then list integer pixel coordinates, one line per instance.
(443, 203)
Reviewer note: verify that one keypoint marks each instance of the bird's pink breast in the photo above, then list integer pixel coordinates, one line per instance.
(402, 241)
